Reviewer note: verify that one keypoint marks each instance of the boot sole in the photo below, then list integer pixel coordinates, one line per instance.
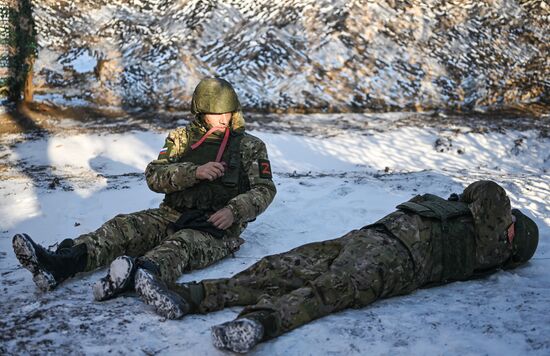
(116, 281)
(165, 302)
(26, 254)
(239, 335)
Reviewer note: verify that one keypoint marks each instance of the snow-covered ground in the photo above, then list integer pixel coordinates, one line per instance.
(60, 186)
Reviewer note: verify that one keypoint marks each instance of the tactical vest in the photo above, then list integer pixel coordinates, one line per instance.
(212, 195)
(452, 235)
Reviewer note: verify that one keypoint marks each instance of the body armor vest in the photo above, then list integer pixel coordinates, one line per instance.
(452, 235)
(212, 195)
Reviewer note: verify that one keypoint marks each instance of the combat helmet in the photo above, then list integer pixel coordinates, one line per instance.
(214, 96)
(525, 240)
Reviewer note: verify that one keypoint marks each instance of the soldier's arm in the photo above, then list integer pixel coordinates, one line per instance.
(247, 206)
(166, 174)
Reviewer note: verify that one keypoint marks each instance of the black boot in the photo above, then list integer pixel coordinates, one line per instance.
(121, 277)
(153, 291)
(50, 268)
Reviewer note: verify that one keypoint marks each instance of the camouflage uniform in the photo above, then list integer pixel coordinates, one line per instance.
(147, 233)
(398, 254)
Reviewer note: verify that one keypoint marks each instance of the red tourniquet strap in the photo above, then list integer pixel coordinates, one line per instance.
(223, 144)
(199, 142)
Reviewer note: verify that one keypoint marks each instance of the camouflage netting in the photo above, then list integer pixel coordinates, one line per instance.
(330, 55)
(17, 48)
(5, 32)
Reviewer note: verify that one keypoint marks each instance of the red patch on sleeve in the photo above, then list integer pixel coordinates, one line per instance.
(265, 168)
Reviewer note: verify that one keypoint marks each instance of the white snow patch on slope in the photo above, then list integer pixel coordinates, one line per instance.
(407, 150)
(84, 62)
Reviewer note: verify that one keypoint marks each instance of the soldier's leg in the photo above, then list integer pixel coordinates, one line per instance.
(273, 275)
(272, 316)
(184, 250)
(131, 234)
(126, 234)
(370, 267)
(492, 214)
(187, 250)
(276, 275)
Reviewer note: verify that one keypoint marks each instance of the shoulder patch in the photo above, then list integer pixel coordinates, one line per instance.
(166, 150)
(265, 168)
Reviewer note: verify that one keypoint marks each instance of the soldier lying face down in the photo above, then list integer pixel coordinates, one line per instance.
(427, 241)
(215, 177)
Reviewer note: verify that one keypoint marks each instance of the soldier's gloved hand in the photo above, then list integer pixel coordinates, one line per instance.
(210, 171)
(222, 219)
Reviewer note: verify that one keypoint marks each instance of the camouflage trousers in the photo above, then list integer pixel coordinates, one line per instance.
(290, 289)
(144, 233)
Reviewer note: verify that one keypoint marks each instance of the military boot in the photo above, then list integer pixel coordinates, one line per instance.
(47, 267)
(153, 291)
(239, 335)
(119, 279)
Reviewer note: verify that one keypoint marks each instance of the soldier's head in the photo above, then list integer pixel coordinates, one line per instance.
(215, 100)
(525, 240)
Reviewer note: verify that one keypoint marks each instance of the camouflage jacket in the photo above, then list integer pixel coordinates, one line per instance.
(171, 173)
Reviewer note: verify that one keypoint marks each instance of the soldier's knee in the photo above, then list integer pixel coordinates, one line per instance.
(187, 236)
(335, 288)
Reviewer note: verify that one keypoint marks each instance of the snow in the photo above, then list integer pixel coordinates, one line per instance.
(332, 54)
(84, 62)
(61, 100)
(327, 185)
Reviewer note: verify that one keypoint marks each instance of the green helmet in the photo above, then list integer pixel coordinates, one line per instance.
(214, 96)
(525, 240)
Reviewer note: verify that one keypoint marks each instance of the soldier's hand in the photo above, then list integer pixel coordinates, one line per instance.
(210, 171)
(222, 219)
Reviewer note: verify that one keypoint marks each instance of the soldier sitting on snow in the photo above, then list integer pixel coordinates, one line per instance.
(427, 241)
(215, 177)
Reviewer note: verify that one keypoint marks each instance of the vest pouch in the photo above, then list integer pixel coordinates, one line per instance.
(231, 178)
(432, 206)
(232, 172)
